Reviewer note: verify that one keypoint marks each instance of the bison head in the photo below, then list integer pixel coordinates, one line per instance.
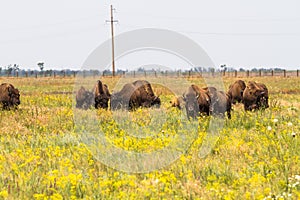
(102, 95)
(14, 96)
(156, 102)
(191, 105)
(213, 99)
(153, 101)
(262, 101)
(255, 96)
(101, 101)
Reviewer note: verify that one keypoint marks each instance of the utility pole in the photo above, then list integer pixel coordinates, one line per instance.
(112, 38)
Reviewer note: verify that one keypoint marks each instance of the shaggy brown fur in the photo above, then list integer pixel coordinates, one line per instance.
(9, 96)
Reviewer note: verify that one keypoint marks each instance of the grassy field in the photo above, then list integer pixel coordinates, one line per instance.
(43, 156)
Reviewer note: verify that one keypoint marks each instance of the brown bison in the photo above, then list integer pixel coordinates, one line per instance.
(84, 98)
(219, 102)
(236, 91)
(134, 95)
(9, 96)
(197, 101)
(101, 95)
(147, 94)
(255, 96)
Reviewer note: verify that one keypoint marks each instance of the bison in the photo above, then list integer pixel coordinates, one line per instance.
(236, 91)
(9, 96)
(197, 101)
(84, 98)
(101, 95)
(255, 96)
(147, 94)
(134, 95)
(219, 102)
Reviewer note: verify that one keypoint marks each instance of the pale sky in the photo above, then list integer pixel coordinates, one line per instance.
(62, 33)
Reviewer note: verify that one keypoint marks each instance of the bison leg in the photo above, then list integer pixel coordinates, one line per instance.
(229, 114)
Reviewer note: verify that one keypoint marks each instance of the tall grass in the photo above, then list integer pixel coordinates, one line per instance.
(42, 155)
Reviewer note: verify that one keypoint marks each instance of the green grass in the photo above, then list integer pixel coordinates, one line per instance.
(42, 156)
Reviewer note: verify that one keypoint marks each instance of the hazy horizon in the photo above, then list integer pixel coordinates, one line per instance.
(62, 34)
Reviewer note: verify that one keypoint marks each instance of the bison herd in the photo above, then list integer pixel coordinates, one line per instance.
(209, 101)
(131, 96)
(196, 100)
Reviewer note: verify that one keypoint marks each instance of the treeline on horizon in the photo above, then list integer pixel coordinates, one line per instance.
(15, 71)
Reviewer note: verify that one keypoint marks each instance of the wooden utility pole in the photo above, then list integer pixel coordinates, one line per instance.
(112, 38)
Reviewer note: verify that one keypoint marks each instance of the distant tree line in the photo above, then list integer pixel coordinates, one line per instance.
(15, 70)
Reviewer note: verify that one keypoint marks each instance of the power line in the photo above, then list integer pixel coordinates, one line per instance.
(55, 24)
(61, 34)
(211, 19)
(220, 33)
(241, 34)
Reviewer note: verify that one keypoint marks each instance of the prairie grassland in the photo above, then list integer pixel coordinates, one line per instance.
(43, 156)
